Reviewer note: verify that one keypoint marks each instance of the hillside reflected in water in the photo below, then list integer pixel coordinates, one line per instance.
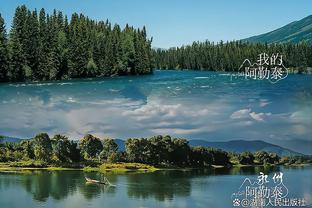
(60, 188)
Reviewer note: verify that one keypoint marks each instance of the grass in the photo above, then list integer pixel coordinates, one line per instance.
(90, 169)
(126, 167)
(24, 164)
(106, 167)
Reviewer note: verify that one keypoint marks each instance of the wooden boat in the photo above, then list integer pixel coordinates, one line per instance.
(105, 182)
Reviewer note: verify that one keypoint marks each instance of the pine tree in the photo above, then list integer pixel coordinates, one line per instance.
(4, 53)
(18, 62)
(49, 47)
(32, 45)
(18, 65)
(43, 70)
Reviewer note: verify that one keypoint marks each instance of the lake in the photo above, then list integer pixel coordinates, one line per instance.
(174, 188)
(192, 104)
(212, 106)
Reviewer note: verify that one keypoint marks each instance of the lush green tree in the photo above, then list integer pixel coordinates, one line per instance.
(266, 158)
(157, 150)
(201, 156)
(274, 158)
(109, 147)
(28, 149)
(114, 157)
(180, 153)
(229, 56)
(42, 147)
(246, 158)
(137, 150)
(61, 148)
(4, 52)
(90, 146)
(48, 47)
(220, 157)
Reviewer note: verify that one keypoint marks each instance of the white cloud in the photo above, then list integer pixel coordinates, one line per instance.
(259, 116)
(243, 113)
(264, 102)
(247, 114)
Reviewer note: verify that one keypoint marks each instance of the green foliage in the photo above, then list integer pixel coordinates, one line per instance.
(163, 150)
(61, 148)
(110, 149)
(159, 151)
(266, 158)
(114, 157)
(201, 156)
(90, 146)
(220, 157)
(28, 149)
(42, 147)
(230, 55)
(124, 167)
(246, 158)
(4, 58)
(48, 47)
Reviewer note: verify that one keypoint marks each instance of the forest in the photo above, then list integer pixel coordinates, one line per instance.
(41, 46)
(228, 56)
(158, 151)
(50, 47)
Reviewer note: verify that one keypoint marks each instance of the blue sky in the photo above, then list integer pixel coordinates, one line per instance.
(177, 22)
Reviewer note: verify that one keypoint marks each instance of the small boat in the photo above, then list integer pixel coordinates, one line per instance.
(105, 182)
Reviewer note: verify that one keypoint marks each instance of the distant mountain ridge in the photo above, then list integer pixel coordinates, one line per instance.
(244, 145)
(294, 32)
(9, 139)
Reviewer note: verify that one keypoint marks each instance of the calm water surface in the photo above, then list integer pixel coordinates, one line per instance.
(190, 104)
(196, 188)
(196, 105)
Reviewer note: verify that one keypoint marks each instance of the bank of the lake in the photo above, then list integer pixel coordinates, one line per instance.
(134, 167)
(174, 188)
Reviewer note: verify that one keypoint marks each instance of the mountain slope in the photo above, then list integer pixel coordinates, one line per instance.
(297, 145)
(9, 139)
(243, 145)
(295, 32)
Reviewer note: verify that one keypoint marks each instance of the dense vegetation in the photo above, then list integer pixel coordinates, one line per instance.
(50, 47)
(230, 55)
(159, 151)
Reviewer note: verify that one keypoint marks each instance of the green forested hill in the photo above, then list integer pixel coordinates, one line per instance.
(294, 32)
(293, 41)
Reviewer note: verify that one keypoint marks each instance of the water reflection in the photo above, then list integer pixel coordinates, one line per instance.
(193, 105)
(164, 185)
(160, 185)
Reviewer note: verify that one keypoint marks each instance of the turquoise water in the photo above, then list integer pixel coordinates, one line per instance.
(197, 188)
(195, 105)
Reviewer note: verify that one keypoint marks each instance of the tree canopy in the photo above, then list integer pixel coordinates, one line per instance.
(51, 47)
(161, 151)
(229, 56)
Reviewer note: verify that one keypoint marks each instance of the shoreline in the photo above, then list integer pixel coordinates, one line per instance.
(7, 168)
